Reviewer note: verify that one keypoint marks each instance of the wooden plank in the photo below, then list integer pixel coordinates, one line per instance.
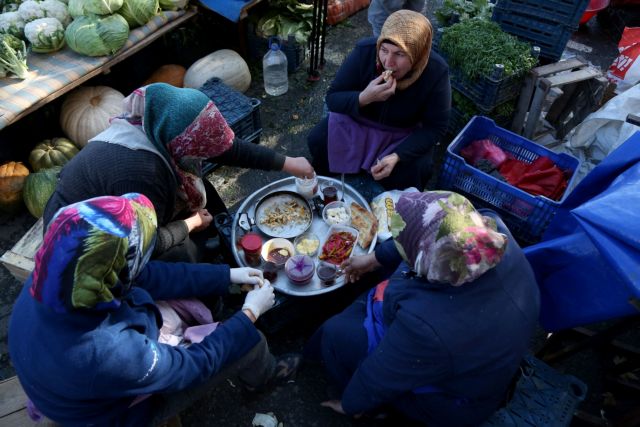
(19, 266)
(21, 419)
(557, 67)
(573, 77)
(19, 259)
(12, 397)
(106, 67)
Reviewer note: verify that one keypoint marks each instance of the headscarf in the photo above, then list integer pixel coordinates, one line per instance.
(410, 31)
(185, 127)
(92, 251)
(443, 238)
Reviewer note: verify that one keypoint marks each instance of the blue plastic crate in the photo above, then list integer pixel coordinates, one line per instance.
(526, 215)
(549, 36)
(241, 112)
(543, 397)
(564, 12)
(487, 91)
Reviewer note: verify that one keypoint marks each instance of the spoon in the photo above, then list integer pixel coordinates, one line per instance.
(342, 183)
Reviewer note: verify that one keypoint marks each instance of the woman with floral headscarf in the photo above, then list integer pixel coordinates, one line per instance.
(388, 106)
(156, 148)
(442, 337)
(84, 332)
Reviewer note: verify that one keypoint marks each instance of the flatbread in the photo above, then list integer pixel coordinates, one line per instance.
(366, 224)
(387, 74)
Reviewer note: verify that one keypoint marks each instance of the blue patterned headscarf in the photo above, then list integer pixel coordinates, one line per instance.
(92, 251)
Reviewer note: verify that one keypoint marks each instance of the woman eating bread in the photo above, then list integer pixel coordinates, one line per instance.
(389, 104)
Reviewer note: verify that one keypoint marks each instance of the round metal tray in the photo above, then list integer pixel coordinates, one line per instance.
(318, 226)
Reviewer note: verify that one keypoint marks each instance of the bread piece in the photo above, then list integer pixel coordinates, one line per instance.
(366, 224)
(387, 74)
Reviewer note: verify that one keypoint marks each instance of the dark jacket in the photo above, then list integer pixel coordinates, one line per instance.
(467, 341)
(85, 368)
(427, 102)
(103, 169)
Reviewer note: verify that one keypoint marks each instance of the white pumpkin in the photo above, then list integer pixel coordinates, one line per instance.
(86, 111)
(225, 64)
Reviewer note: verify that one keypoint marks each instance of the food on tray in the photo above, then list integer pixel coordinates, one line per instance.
(270, 272)
(278, 255)
(337, 215)
(307, 246)
(281, 214)
(338, 247)
(327, 273)
(365, 222)
(300, 269)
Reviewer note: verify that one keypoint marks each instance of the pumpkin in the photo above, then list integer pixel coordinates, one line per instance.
(86, 111)
(224, 64)
(38, 188)
(12, 178)
(169, 73)
(52, 152)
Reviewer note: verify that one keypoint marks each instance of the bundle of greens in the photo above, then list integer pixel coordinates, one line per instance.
(284, 18)
(13, 56)
(474, 47)
(462, 10)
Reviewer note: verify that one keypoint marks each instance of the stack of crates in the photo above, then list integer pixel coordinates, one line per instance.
(487, 93)
(241, 112)
(526, 215)
(547, 24)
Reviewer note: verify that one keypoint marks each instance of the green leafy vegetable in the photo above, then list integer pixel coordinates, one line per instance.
(138, 12)
(97, 35)
(462, 10)
(13, 56)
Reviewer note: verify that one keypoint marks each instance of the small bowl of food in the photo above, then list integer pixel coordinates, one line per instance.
(338, 245)
(336, 213)
(307, 244)
(277, 251)
(300, 269)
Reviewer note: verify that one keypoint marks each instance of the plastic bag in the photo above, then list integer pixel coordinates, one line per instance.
(383, 205)
(625, 69)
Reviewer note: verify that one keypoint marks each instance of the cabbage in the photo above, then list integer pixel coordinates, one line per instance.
(138, 12)
(76, 8)
(173, 4)
(97, 35)
(102, 7)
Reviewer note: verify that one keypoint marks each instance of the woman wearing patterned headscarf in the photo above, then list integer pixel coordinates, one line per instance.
(388, 106)
(442, 337)
(84, 332)
(156, 148)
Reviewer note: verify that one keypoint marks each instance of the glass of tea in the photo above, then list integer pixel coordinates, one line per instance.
(329, 192)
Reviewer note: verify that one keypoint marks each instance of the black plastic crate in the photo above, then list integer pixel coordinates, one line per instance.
(486, 92)
(241, 112)
(549, 36)
(564, 12)
(295, 52)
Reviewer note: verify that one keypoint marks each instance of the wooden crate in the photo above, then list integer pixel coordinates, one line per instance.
(13, 406)
(19, 259)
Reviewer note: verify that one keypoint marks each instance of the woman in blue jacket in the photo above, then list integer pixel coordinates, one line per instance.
(83, 335)
(389, 104)
(442, 338)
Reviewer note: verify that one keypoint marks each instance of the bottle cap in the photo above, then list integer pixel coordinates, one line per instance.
(251, 242)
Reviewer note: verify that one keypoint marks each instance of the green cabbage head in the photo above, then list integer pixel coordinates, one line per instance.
(97, 35)
(173, 4)
(102, 7)
(138, 12)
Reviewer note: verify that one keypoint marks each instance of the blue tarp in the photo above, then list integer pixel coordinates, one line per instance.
(588, 262)
(230, 9)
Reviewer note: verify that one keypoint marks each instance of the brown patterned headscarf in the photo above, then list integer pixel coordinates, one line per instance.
(412, 32)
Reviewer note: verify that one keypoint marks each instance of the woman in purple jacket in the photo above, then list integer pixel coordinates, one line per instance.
(84, 332)
(389, 105)
(442, 338)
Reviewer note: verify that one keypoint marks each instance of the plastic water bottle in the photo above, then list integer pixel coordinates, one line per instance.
(274, 69)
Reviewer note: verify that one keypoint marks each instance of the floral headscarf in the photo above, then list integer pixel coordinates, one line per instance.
(186, 128)
(443, 237)
(92, 251)
(412, 32)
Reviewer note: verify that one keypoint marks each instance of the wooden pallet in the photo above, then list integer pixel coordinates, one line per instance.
(19, 259)
(580, 88)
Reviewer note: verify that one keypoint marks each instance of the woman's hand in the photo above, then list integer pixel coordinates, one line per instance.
(246, 275)
(258, 301)
(298, 166)
(199, 220)
(385, 166)
(356, 266)
(377, 91)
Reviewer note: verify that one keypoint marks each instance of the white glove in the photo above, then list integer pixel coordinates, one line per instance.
(260, 299)
(248, 275)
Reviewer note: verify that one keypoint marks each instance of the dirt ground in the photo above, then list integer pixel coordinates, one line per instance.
(286, 120)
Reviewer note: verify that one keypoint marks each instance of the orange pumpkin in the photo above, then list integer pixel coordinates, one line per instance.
(169, 73)
(12, 178)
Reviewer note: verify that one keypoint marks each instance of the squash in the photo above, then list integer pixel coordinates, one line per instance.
(224, 64)
(12, 178)
(86, 111)
(38, 188)
(52, 152)
(169, 73)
